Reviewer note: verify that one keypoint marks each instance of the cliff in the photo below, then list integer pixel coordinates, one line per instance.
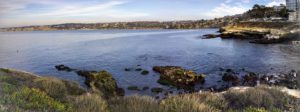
(262, 32)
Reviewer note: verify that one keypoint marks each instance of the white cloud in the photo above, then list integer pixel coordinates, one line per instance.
(275, 3)
(225, 9)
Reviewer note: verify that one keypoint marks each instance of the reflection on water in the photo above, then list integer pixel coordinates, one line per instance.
(114, 50)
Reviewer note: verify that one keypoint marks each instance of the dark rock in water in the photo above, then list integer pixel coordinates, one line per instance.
(251, 79)
(157, 90)
(85, 73)
(178, 77)
(229, 70)
(210, 36)
(145, 72)
(127, 69)
(138, 69)
(63, 68)
(145, 88)
(120, 92)
(133, 88)
(231, 77)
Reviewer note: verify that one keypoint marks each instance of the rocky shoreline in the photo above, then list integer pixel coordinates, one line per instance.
(260, 32)
(180, 78)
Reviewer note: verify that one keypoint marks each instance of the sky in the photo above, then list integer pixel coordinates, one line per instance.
(42, 12)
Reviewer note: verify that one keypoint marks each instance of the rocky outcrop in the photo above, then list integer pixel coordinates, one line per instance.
(232, 77)
(261, 32)
(101, 82)
(178, 77)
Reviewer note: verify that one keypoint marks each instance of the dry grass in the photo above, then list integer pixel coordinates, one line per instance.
(90, 103)
(258, 97)
(192, 103)
(52, 86)
(134, 104)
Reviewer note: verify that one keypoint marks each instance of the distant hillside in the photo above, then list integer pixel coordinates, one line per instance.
(257, 13)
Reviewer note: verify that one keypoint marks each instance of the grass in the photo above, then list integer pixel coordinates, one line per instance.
(35, 100)
(191, 103)
(134, 104)
(52, 86)
(90, 103)
(259, 97)
(21, 92)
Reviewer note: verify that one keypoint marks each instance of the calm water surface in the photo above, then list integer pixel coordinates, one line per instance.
(114, 50)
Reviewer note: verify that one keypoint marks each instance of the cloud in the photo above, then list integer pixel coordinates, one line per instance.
(54, 12)
(275, 3)
(225, 9)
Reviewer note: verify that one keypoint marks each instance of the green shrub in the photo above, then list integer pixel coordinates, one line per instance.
(90, 103)
(187, 103)
(6, 88)
(134, 104)
(34, 99)
(8, 79)
(52, 86)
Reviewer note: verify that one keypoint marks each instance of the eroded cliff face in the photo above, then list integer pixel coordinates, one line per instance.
(262, 32)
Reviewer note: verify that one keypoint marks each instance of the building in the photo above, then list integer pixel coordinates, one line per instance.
(294, 9)
(279, 8)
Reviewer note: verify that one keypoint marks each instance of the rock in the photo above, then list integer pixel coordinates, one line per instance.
(138, 69)
(178, 77)
(63, 68)
(230, 76)
(145, 88)
(120, 92)
(145, 72)
(85, 73)
(127, 69)
(210, 36)
(251, 79)
(133, 88)
(157, 90)
(101, 82)
(221, 30)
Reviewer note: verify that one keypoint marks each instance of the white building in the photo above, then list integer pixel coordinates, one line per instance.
(294, 7)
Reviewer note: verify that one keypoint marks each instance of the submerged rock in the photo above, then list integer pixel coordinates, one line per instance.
(145, 88)
(178, 77)
(145, 72)
(210, 36)
(157, 90)
(133, 88)
(127, 69)
(63, 68)
(138, 69)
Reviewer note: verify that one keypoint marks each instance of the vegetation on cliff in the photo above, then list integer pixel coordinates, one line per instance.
(21, 91)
